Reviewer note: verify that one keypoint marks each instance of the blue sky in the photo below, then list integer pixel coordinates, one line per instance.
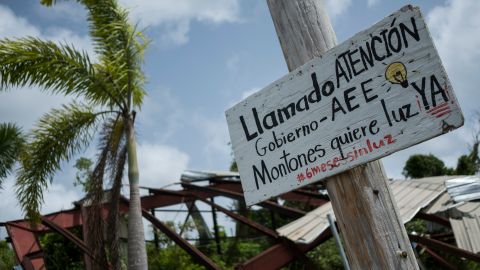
(205, 56)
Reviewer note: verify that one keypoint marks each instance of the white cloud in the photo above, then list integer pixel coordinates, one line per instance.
(160, 165)
(15, 26)
(175, 16)
(161, 103)
(63, 10)
(24, 106)
(337, 7)
(454, 28)
(371, 3)
(57, 197)
(250, 92)
(215, 139)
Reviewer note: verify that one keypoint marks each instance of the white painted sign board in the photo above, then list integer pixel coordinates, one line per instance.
(381, 91)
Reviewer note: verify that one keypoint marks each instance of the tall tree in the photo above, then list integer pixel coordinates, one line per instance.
(111, 88)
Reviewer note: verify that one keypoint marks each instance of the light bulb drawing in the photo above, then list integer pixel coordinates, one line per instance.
(396, 73)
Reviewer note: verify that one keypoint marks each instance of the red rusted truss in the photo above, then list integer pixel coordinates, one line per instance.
(29, 253)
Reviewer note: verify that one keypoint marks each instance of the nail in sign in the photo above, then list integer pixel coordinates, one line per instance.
(383, 90)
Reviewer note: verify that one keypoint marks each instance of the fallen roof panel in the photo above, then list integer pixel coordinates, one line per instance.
(467, 233)
(411, 196)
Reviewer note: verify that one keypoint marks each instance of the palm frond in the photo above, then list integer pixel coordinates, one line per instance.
(59, 68)
(11, 142)
(59, 135)
(119, 45)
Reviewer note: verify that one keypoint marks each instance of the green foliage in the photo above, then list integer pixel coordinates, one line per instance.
(112, 89)
(120, 47)
(326, 256)
(83, 174)
(60, 134)
(7, 259)
(11, 143)
(58, 68)
(416, 225)
(60, 253)
(233, 166)
(170, 257)
(465, 166)
(469, 164)
(418, 166)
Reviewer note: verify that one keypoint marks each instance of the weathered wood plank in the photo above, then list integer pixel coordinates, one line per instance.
(380, 91)
(381, 234)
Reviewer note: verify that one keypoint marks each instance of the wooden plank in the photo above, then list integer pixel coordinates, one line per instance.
(304, 31)
(383, 90)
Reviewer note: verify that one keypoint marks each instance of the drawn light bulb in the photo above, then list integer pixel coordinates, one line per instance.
(396, 73)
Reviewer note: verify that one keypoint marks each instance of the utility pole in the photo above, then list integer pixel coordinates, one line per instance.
(369, 220)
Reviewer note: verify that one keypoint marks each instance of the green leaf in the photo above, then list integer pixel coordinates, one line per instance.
(120, 47)
(59, 68)
(11, 142)
(59, 136)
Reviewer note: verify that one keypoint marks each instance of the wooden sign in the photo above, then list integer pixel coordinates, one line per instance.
(381, 91)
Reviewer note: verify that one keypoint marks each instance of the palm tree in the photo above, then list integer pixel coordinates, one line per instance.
(111, 89)
(11, 142)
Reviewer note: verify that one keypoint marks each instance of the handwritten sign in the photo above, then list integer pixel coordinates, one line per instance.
(381, 91)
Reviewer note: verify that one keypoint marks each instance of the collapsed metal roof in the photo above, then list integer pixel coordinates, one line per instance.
(411, 196)
(467, 233)
(464, 188)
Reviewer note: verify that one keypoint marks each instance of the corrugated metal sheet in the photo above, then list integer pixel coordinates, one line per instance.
(464, 189)
(445, 204)
(411, 196)
(467, 233)
(192, 175)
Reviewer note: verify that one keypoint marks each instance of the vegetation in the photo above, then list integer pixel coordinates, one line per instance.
(7, 259)
(418, 166)
(111, 88)
(11, 143)
(60, 253)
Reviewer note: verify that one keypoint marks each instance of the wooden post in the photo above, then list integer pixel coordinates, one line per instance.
(369, 221)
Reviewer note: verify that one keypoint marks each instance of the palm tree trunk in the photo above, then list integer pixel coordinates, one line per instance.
(137, 255)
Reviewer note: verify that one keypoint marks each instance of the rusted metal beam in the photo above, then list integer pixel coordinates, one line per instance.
(24, 241)
(301, 195)
(442, 235)
(312, 194)
(193, 251)
(288, 211)
(35, 255)
(70, 236)
(434, 218)
(441, 261)
(280, 255)
(299, 255)
(439, 245)
(260, 228)
(162, 198)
